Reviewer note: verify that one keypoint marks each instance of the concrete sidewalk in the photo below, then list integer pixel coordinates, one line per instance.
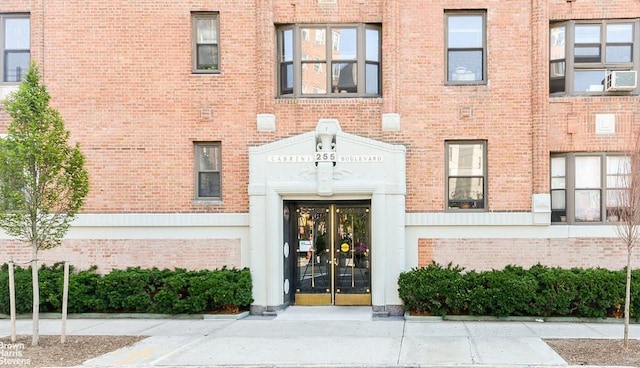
(329, 337)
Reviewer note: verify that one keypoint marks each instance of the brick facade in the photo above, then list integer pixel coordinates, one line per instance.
(120, 254)
(488, 254)
(119, 72)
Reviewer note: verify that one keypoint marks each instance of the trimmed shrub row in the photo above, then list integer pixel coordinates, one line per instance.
(131, 290)
(515, 291)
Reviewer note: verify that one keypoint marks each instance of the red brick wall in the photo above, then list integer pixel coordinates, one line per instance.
(119, 71)
(425, 251)
(499, 112)
(572, 124)
(571, 120)
(592, 9)
(486, 254)
(14, 6)
(120, 74)
(193, 254)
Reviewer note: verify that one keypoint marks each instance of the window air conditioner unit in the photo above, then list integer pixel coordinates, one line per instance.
(619, 80)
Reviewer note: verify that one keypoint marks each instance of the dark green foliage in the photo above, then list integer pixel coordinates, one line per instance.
(600, 291)
(514, 291)
(125, 290)
(434, 289)
(174, 295)
(557, 291)
(635, 294)
(509, 292)
(131, 290)
(229, 288)
(51, 284)
(83, 288)
(24, 290)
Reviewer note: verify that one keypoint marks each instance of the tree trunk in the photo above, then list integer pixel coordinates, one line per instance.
(36, 295)
(627, 299)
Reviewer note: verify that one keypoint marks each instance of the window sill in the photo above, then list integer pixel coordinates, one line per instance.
(205, 72)
(207, 202)
(465, 83)
(470, 209)
(462, 205)
(559, 95)
(303, 101)
(586, 223)
(325, 97)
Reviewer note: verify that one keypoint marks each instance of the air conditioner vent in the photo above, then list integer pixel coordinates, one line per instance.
(620, 81)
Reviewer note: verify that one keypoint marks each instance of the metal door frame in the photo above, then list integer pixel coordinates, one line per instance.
(332, 296)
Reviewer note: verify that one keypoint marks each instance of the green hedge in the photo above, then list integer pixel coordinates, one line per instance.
(514, 291)
(132, 290)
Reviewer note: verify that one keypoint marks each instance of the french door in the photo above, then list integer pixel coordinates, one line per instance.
(332, 243)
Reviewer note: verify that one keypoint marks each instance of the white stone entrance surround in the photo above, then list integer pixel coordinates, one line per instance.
(364, 169)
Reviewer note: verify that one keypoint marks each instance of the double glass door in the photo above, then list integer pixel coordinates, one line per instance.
(333, 253)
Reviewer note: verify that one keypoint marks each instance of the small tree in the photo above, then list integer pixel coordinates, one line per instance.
(43, 182)
(627, 198)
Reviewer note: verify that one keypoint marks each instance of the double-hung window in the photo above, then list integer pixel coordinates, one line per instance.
(466, 46)
(466, 169)
(206, 54)
(583, 53)
(589, 187)
(325, 60)
(15, 43)
(208, 162)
